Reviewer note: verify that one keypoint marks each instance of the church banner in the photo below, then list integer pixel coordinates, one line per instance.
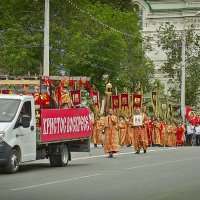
(76, 97)
(124, 100)
(137, 100)
(95, 96)
(115, 102)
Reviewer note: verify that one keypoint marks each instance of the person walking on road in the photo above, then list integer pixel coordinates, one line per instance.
(139, 131)
(197, 134)
(111, 137)
(189, 134)
(97, 131)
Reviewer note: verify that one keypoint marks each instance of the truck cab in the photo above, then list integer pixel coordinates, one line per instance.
(17, 130)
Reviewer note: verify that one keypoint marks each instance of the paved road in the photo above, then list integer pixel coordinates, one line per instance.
(162, 173)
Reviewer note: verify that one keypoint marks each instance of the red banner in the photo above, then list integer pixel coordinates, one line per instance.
(115, 101)
(124, 100)
(137, 100)
(76, 97)
(62, 124)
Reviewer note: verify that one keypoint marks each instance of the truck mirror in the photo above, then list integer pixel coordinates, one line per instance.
(26, 121)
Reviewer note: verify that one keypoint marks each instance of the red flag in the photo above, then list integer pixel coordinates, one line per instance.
(76, 97)
(191, 115)
(115, 102)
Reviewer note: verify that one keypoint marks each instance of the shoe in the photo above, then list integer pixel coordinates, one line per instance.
(137, 152)
(145, 150)
(110, 155)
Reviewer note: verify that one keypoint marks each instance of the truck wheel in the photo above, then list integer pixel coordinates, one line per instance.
(64, 157)
(60, 160)
(12, 165)
(53, 161)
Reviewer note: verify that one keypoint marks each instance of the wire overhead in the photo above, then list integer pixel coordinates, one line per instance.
(100, 22)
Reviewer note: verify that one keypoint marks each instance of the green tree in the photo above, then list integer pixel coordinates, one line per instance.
(171, 42)
(88, 38)
(116, 52)
(21, 36)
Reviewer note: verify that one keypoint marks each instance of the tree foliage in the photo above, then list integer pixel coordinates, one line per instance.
(88, 38)
(171, 42)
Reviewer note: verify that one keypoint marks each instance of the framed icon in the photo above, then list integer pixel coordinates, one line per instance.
(137, 120)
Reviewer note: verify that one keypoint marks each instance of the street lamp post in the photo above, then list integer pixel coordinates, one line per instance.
(183, 76)
(183, 109)
(46, 40)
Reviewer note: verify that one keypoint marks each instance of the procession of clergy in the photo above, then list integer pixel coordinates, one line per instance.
(138, 130)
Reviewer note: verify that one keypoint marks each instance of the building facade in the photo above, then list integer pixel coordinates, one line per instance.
(155, 13)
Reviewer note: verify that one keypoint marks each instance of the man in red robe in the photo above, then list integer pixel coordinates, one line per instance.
(140, 132)
(111, 137)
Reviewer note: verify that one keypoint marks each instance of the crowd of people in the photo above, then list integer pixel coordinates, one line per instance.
(113, 132)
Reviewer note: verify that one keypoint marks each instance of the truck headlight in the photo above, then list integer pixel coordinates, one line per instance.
(2, 134)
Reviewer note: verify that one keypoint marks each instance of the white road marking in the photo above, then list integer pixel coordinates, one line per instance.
(161, 163)
(54, 182)
(118, 154)
(104, 155)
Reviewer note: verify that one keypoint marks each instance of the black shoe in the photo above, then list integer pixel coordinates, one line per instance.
(137, 152)
(110, 155)
(145, 150)
(95, 145)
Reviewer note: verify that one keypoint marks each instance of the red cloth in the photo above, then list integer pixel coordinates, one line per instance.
(161, 132)
(179, 132)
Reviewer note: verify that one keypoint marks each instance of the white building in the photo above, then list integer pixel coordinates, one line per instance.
(155, 13)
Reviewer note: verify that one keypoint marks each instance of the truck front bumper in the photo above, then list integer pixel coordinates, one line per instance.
(4, 152)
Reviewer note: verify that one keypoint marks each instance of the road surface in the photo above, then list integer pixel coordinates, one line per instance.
(162, 173)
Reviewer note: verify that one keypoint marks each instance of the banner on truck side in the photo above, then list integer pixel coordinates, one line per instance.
(61, 124)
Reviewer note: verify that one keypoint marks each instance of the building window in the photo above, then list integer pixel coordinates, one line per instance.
(140, 15)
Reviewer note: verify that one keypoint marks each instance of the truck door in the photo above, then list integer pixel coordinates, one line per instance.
(26, 136)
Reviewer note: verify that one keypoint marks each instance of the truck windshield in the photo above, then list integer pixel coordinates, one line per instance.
(8, 109)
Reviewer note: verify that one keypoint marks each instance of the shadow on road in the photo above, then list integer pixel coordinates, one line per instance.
(30, 167)
(34, 167)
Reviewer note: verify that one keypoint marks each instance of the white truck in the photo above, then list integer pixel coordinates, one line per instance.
(61, 131)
